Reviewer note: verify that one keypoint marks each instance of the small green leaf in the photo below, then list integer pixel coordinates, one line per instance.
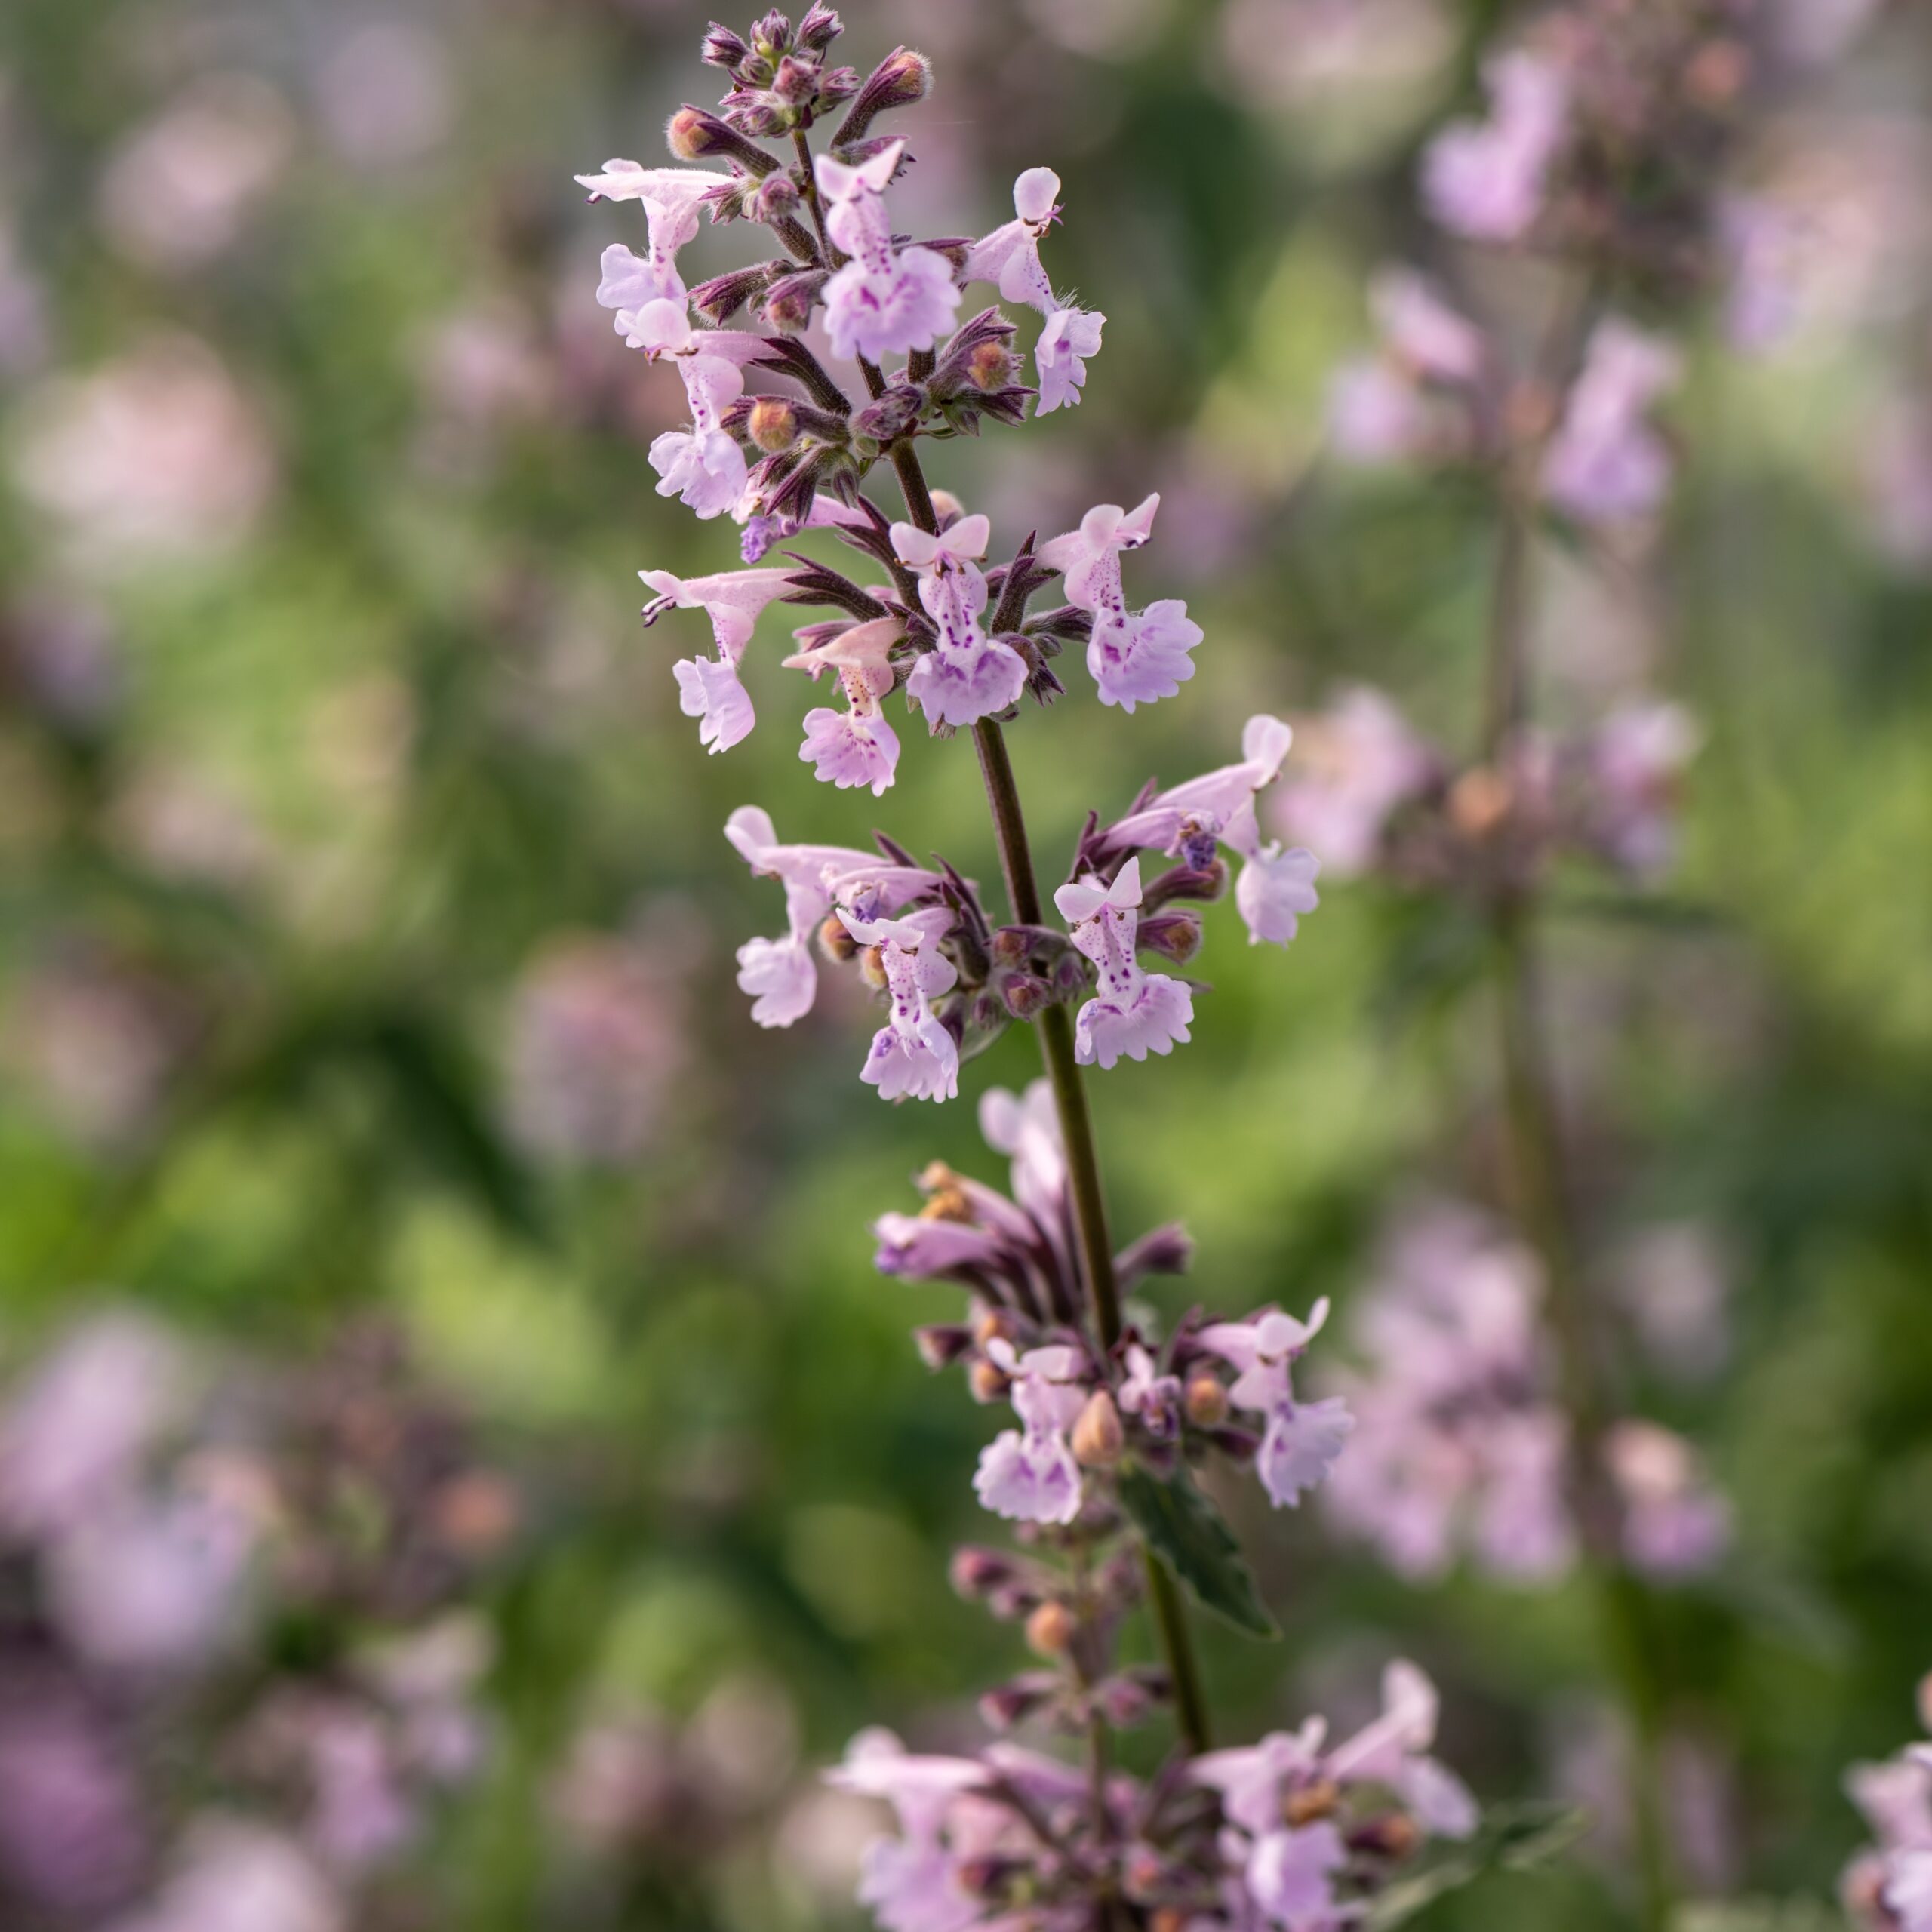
(1185, 1530)
(1514, 1838)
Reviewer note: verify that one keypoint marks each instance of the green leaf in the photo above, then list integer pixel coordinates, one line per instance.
(1185, 1530)
(1513, 1838)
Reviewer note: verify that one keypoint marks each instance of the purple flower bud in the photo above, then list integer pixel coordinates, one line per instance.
(901, 80)
(941, 1344)
(796, 82)
(819, 28)
(1025, 994)
(695, 134)
(723, 295)
(772, 35)
(722, 49)
(976, 1571)
(788, 305)
(1175, 936)
(1168, 1250)
(890, 416)
(1010, 1704)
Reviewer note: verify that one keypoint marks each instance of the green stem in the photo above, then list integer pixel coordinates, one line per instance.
(1076, 1127)
(1541, 1201)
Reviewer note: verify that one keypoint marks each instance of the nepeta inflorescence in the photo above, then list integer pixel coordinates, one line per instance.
(1110, 1417)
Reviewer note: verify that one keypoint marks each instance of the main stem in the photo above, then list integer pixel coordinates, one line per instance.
(1539, 1184)
(1076, 1127)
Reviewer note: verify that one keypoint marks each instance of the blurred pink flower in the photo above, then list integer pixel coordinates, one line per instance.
(78, 1430)
(236, 1877)
(385, 95)
(1607, 464)
(1485, 179)
(177, 191)
(158, 455)
(1361, 762)
(597, 1037)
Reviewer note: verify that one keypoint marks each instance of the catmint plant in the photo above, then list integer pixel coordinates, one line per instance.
(1489, 1417)
(932, 616)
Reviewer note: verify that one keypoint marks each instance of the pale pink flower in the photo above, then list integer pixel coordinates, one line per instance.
(178, 191)
(855, 747)
(967, 675)
(913, 1055)
(1607, 464)
(780, 973)
(882, 302)
(1010, 258)
(596, 1041)
(1394, 1750)
(1135, 656)
(672, 197)
(912, 1883)
(157, 455)
(1133, 1012)
(233, 1877)
(1408, 401)
(733, 600)
(1302, 1439)
(1189, 820)
(1026, 1127)
(77, 1432)
(1030, 1474)
(1486, 179)
(1635, 756)
(1363, 764)
(1675, 1523)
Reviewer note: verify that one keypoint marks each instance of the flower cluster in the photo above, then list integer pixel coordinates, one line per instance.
(1888, 1887)
(1461, 1443)
(923, 937)
(1310, 1831)
(162, 1518)
(1371, 794)
(1081, 1415)
(1111, 1418)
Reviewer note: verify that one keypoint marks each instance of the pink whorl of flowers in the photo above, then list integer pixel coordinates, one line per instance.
(1887, 1886)
(1485, 179)
(1607, 464)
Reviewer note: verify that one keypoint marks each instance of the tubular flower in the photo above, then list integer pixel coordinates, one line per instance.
(1030, 1473)
(1302, 1438)
(882, 302)
(1134, 1012)
(967, 675)
(709, 689)
(1135, 656)
(912, 1056)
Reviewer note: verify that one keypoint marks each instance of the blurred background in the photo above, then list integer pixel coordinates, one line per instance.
(460, 1467)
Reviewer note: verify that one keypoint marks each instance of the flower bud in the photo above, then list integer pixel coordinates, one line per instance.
(1175, 935)
(1925, 1702)
(1166, 1918)
(1479, 802)
(1010, 945)
(872, 968)
(902, 79)
(1098, 1439)
(693, 133)
(789, 306)
(772, 35)
(1025, 994)
(890, 416)
(777, 197)
(988, 1382)
(772, 423)
(991, 365)
(1394, 1834)
(796, 80)
(941, 1343)
(722, 49)
(1124, 1702)
(977, 1572)
(723, 295)
(1070, 974)
(1007, 1704)
(819, 28)
(1206, 1401)
(994, 1323)
(1051, 1629)
(1309, 1804)
(834, 942)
